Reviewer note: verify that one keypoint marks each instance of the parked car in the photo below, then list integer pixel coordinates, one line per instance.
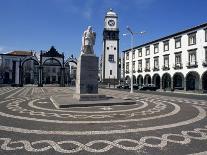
(119, 86)
(123, 86)
(149, 87)
(135, 86)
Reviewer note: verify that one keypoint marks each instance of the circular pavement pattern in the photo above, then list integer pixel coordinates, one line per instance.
(30, 123)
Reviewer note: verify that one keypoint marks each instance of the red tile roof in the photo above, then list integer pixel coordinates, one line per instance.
(20, 53)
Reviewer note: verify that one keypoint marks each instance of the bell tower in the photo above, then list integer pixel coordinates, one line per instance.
(110, 62)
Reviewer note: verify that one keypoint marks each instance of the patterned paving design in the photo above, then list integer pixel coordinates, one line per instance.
(155, 125)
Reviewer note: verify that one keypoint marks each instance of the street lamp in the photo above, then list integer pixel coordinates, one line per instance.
(131, 33)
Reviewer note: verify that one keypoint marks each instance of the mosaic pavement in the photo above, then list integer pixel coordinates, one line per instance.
(155, 125)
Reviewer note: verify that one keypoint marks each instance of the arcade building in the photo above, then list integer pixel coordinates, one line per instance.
(174, 62)
(47, 67)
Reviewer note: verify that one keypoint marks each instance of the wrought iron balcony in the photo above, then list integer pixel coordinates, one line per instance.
(147, 69)
(165, 68)
(127, 72)
(178, 66)
(156, 68)
(205, 63)
(193, 64)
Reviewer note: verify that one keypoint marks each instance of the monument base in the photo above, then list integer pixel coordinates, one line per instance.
(68, 101)
(87, 74)
(89, 97)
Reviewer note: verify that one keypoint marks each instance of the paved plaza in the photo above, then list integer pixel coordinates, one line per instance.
(156, 124)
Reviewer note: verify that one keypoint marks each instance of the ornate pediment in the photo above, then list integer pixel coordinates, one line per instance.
(52, 53)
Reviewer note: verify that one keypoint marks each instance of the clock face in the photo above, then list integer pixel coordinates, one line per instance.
(111, 22)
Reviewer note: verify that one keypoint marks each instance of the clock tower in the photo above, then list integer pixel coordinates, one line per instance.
(110, 61)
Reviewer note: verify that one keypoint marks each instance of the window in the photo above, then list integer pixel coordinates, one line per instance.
(206, 34)
(110, 72)
(178, 59)
(166, 45)
(114, 48)
(133, 54)
(111, 58)
(140, 65)
(107, 48)
(156, 62)
(133, 66)
(48, 69)
(147, 64)
(127, 55)
(7, 62)
(192, 39)
(156, 48)
(140, 52)
(205, 60)
(206, 54)
(178, 42)
(127, 67)
(54, 70)
(192, 58)
(166, 61)
(147, 50)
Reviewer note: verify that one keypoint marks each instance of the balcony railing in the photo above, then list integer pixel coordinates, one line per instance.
(147, 69)
(193, 64)
(127, 72)
(165, 68)
(178, 66)
(139, 70)
(134, 71)
(156, 68)
(205, 63)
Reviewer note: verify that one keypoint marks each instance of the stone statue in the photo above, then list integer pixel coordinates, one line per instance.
(88, 41)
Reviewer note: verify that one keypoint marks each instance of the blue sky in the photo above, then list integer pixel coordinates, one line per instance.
(39, 24)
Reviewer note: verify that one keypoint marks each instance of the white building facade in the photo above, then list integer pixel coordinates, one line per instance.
(177, 61)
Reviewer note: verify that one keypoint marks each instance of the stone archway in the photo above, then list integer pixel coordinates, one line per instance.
(192, 81)
(6, 78)
(156, 80)
(204, 81)
(52, 61)
(147, 79)
(140, 80)
(29, 71)
(128, 80)
(51, 71)
(134, 79)
(178, 81)
(166, 81)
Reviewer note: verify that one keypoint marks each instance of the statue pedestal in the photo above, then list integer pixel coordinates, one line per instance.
(87, 78)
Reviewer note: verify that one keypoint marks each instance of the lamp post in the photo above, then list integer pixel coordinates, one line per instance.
(131, 33)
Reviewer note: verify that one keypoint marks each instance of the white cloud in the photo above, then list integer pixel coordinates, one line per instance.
(88, 9)
(69, 6)
(87, 14)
